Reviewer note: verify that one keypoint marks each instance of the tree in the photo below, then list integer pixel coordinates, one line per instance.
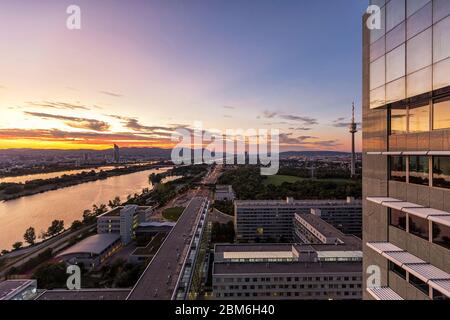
(50, 276)
(114, 203)
(56, 227)
(76, 225)
(98, 210)
(30, 236)
(17, 245)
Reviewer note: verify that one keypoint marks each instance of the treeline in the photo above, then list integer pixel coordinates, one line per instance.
(248, 183)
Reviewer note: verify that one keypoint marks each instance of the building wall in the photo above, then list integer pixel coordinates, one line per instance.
(376, 138)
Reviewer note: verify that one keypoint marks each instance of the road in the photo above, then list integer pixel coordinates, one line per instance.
(159, 278)
(52, 243)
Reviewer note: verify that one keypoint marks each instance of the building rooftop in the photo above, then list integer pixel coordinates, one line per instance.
(10, 288)
(116, 211)
(85, 294)
(294, 203)
(95, 244)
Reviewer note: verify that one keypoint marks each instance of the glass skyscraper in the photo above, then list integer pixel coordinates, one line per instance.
(406, 151)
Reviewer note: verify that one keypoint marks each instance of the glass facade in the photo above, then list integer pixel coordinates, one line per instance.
(441, 172)
(410, 55)
(441, 114)
(419, 227)
(441, 235)
(419, 170)
(398, 169)
(397, 219)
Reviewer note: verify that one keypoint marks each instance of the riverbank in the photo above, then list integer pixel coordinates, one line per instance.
(11, 191)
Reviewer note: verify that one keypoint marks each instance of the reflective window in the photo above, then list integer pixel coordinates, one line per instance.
(441, 40)
(419, 284)
(413, 5)
(398, 168)
(419, 21)
(395, 37)
(419, 227)
(441, 9)
(441, 74)
(378, 97)
(376, 34)
(419, 82)
(395, 13)
(419, 118)
(441, 113)
(397, 270)
(441, 235)
(441, 172)
(377, 73)
(395, 64)
(397, 219)
(419, 51)
(398, 119)
(396, 90)
(419, 170)
(377, 49)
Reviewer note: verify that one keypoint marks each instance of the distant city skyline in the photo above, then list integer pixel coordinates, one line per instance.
(136, 72)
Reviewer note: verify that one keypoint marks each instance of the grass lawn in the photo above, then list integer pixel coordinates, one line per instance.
(172, 214)
(278, 180)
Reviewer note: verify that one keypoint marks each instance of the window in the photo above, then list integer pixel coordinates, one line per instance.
(419, 53)
(395, 64)
(421, 20)
(419, 118)
(397, 219)
(398, 119)
(441, 114)
(398, 168)
(419, 284)
(441, 172)
(441, 45)
(441, 235)
(441, 74)
(413, 5)
(395, 13)
(377, 73)
(395, 37)
(397, 270)
(441, 9)
(439, 295)
(418, 170)
(418, 227)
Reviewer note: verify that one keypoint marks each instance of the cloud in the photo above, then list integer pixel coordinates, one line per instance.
(59, 105)
(74, 122)
(342, 123)
(112, 94)
(290, 117)
(300, 128)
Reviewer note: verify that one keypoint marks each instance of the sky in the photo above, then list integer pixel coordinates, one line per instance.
(140, 69)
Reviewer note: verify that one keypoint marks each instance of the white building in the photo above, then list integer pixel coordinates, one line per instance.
(224, 193)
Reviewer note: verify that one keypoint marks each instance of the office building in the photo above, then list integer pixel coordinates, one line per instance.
(123, 221)
(116, 154)
(287, 271)
(406, 157)
(272, 220)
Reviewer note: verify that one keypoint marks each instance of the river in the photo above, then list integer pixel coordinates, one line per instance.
(66, 204)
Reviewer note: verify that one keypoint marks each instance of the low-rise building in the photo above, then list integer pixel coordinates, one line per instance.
(287, 271)
(92, 251)
(224, 193)
(123, 221)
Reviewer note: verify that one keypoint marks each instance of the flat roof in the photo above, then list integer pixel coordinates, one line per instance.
(9, 287)
(224, 268)
(85, 294)
(116, 211)
(157, 224)
(259, 255)
(95, 244)
(222, 248)
(322, 226)
(294, 203)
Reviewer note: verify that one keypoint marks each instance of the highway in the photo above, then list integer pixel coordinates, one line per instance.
(159, 278)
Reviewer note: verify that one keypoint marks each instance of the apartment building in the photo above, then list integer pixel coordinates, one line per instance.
(272, 220)
(406, 157)
(287, 271)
